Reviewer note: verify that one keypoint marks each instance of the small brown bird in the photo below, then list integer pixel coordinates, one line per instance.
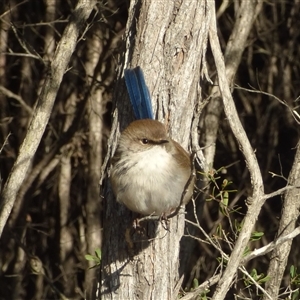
(150, 170)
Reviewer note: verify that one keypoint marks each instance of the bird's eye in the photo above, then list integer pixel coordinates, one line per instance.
(145, 141)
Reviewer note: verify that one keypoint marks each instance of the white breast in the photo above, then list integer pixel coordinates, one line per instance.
(152, 183)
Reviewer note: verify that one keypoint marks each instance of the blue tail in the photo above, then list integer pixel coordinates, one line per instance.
(138, 93)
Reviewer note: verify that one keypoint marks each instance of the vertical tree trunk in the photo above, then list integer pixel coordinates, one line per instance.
(289, 216)
(168, 40)
(95, 106)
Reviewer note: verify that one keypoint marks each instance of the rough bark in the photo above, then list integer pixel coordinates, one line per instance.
(168, 40)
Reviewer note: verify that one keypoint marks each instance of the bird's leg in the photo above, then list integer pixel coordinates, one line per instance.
(165, 221)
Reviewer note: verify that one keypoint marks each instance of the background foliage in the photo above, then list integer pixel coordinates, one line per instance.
(44, 243)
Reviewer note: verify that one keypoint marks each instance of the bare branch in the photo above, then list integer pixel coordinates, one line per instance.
(50, 23)
(235, 47)
(23, 44)
(293, 111)
(202, 287)
(10, 94)
(271, 246)
(5, 142)
(256, 201)
(21, 55)
(279, 192)
(12, 8)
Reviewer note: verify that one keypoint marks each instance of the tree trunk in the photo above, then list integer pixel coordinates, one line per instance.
(93, 209)
(168, 40)
(289, 216)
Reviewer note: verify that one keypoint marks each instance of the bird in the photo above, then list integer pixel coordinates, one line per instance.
(151, 174)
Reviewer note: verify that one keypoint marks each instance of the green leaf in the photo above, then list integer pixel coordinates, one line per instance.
(98, 253)
(225, 199)
(195, 283)
(293, 271)
(254, 274)
(89, 257)
(246, 251)
(295, 295)
(219, 231)
(264, 279)
(256, 235)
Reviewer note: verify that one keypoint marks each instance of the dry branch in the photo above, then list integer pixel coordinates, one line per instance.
(10, 94)
(235, 47)
(256, 201)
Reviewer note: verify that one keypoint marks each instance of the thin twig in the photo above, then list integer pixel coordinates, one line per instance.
(201, 288)
(23, 44)
(12, 8)
(271, 246)
(5, 142)
(294, 113)
(224, 256)
(10, 94)
(279, 192)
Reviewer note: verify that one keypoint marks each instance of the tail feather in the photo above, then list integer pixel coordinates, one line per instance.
(138, 93)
